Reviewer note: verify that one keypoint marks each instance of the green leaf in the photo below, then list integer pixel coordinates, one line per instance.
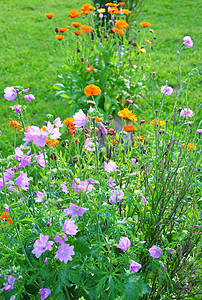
(134, 288)
(81, 246)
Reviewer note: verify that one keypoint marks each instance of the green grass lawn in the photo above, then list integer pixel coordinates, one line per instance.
(29, 56)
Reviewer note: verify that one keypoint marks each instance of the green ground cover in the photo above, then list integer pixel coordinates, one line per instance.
(29, 53)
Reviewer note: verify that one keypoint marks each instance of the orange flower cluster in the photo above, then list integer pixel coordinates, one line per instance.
(49, 16)
(51, 142)
(155, 122)
(111, 4)
(122, 24)
(77, 32)
(6, 218)
(59, 37)
(189, 146)
(145, 24)
(129, 128)
(70, 125)
(86, 9)
(63, 29)
(126, 11)
(86, 29)
(141, 138)
(114, 10)
(73, 14)
(92, 90)
(91, 68)
(127, 114)
(15, 124)
(76, 24)
(97, 119)
(121, 3)
(119, 31)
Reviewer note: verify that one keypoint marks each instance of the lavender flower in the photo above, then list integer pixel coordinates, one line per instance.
(199, 131)
(75, 210)
(166, 90)
(40, 196)
(40, 160)
(44, 293)
(64, 187)
(29, 97)
(155, 251)
(171, 251)
(41, 245)
(6, 207)
(10, 93)
(186, 112)
(22, 181)
(64, 252)
(188, 41)
(103, 129)
(133, 160)
(35, 135)
(17, 108)
(25, 161)
(8, 174)
(134, 266)
(143, 199)
(111, 183)
(70, 227)
(124, 243)
(116, 196)
(80, 119)
(110, 166)
(58, 123)
(81, 186)
(101, 15)
(26, 90)
(89, 145)
(163, 267)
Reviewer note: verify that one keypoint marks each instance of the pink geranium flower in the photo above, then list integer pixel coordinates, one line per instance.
(41, 245)
(64, 252)
(124, 243)
(155, 251)
(167, 90)
(134, 266)
(89, 145)
(70, 227)
(188, 41)
(22, 181)
(80, 119)
(110, 166)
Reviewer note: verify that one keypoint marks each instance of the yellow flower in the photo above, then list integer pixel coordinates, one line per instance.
(148, 41)
(127, 114)
(155, 122)
(189, 146)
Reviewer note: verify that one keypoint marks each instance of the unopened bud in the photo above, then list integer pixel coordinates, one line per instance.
(57, 29)
(110, 117)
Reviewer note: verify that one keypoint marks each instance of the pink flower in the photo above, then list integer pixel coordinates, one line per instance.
(188, 41)
(134, 266)
(64, 252)
(186, 112)
(59, 240)
(116, 196)
(29, 97)
(111, 183)
(166, 90)
(57, 122)
(199, 131)
(171, 251)
(81, 186)
(53, 133)
(80, 119)
(44, 293)
(10, 93)
(8, 174)
(64, 187)
(25, 161)
(70, 227)
(75, 210)
(40, 196)
(124, 243)
(17, 108)
(22, 181)
(102, 128)
(89, 145)
(18, 153)
(143, 199)
(41, 245)
(35, 135)
(155, 251)
(40, 160)
(110, 166)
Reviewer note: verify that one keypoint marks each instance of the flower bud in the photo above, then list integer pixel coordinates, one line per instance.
(110, 117)
(57, 30)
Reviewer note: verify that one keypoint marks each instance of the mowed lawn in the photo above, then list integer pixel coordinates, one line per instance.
(30, 57)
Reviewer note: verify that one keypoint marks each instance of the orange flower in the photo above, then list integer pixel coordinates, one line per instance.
(26, 128)
(44, 128)
(6, 218)
(77, 32)
(121, 3)
(148, 41)
(76, 24)
(111, 4)
(59, 37)
(126, 11)
(51, 142)
(15, 124)
(86, 11)
(92, 90)
(114, 10)
(119, 31)
(127, 114)
(115, 142)
(63, 29)
(121, 24)
(49, 16)
(73, 13)
(70, 125)
(141, 138)
(145, 24)
(86, 28)
(129, 128)
(189, 146)
(142, 50)
(97, 119)
(91, 68)
(155, 122)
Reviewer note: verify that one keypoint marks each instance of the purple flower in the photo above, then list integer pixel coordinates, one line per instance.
(53, 133)
(134, 266)
(10, 93)
(64, 187)
(22, 181)
(163, 267)
(166, 90)
(6, 207)
(116, 196)
(70, 227)
(133, 160)
(29, 97)
(143, 199)
(41, 245)
(102, 128)
(186, 112)
(80, 119)
(111, 183)
(91, 181)
(199, 131)
(101, 15)
(35, 135)
(45, 260)
(155, 251)
(89, 145)
(64, 252)
(40, 160)
(81, 186)
(20, 277)
(171, 251)
(44, 293)
(25, 161)
(18, 153)
(57, 122)
(124, 243)
(110, 166)
(188, 41)
(8, 174)
(40, 196)
(26, 90)
(17, 108)
(75, 210)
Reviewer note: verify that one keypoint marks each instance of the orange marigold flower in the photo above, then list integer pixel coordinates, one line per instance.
(141, 138)
(70, 125)
(86, 28)
(73, 13)
(6, 218)
(76, 24)
(88, 7)
(127, 114)
(97, 119)
(92, 90)
(15, 124)
(51, 142)
(121, 3)
(77, 32)
(121, 24)
(111, 4)
(145, 24)
(129, 128)
(126, 11)
(91, 68)
(59, 37)
(148, 41)
(86, 11)
(119, 31)
(142, 50)
(49, 16)
(189, 146)
(155, 122)
(63, 29)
